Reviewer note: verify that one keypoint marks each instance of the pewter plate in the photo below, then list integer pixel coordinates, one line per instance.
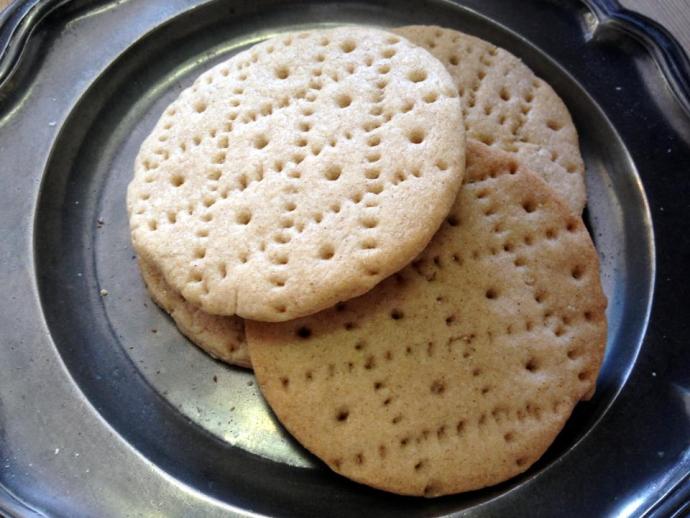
(106, 410)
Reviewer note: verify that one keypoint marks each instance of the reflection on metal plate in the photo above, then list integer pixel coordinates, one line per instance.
(162, 429)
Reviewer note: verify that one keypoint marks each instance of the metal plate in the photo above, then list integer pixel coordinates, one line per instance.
(106, 410)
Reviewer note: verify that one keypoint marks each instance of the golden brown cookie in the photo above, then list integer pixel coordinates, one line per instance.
(221, 337)
(459, 371)
(507, 106)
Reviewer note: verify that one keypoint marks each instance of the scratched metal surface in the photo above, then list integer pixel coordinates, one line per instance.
(106, 410)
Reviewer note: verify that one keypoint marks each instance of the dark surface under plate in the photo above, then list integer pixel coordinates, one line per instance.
(104, 408)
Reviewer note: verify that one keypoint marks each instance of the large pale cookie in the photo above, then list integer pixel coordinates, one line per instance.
(299, 173)
(221, 337)
(460, 370)
(507, 106)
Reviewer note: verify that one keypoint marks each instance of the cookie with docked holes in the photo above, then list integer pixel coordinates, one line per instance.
(283, 180)
(507, 106)
(406, 380)
(459, 371)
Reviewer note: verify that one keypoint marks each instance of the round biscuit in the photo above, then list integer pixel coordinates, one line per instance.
(299, 173)
(506, 105)
(459, 371)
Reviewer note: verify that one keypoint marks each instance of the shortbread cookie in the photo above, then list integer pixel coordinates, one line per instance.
(299, 173)
(459, 371)
(507, 106)
(221, 337)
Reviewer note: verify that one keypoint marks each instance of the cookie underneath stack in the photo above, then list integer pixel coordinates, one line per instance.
(221, 337)
(508, 107)
(302, 184)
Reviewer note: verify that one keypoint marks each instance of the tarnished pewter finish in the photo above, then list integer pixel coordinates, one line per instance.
(667, 52)
(105, 410)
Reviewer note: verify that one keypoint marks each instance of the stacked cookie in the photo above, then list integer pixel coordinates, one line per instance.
(422, 311)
